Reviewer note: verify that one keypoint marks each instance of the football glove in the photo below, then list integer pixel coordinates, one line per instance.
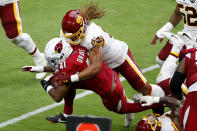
(175, 40)
(189, 40)
(149, 100)
(37, 69)
(166, 28)
(63, 77)
(44, 84)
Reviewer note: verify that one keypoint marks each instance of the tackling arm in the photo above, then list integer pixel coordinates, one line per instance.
(95, 58)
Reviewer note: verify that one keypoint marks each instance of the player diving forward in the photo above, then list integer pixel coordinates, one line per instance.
(107, 85)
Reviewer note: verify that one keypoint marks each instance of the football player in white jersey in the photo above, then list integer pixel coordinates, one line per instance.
(11, 22)
(77, 28)
(154, 122)
(185, 9)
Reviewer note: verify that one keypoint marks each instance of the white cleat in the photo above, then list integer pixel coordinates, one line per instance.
(40, 61)
(128, 119)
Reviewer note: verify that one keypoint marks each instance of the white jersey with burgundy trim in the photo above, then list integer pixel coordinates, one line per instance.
(114, 51)
(189, 10)
(4, 2)
(166, 122)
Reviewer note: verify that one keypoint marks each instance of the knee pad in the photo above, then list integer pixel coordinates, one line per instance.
(24, 41)
(157, 91)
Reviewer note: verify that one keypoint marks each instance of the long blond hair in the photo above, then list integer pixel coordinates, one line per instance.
(92, 11)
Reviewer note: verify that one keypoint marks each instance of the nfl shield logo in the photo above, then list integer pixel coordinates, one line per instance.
(192, 1)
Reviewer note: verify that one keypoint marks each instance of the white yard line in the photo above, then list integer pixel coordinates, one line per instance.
(45, 108)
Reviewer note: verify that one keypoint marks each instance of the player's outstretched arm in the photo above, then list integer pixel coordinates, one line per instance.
(173, 21)
(38, 69)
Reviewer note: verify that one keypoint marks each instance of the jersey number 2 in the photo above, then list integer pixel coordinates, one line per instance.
(188, 17)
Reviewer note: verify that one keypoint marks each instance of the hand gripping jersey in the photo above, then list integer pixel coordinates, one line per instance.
(78, 61)
(191, 66)
(114, 51)
(4, 2)
(188, 8)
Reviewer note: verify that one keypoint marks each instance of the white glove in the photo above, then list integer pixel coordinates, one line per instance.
(189, 40)
(37, 69)
(149, 100)
(137, 97)
(175, 40)
(166, 28)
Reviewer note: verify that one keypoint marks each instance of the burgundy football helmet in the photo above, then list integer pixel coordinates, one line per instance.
(73, 25)
(149, 123)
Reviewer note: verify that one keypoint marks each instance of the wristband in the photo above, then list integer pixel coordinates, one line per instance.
(74, 78)
(167, 27)
(156, 99)
(49, 88)
(40, 68)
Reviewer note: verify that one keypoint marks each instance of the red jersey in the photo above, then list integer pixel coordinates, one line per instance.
(78, 61)
(191, 66)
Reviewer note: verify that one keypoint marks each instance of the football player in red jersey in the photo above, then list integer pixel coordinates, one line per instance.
(77, 29)
(187, 69)
(12, 24)
(107, 85)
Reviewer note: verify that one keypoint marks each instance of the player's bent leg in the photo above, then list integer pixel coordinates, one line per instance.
(130, 70)
(24, 41)
(68, 109)
(163, 54)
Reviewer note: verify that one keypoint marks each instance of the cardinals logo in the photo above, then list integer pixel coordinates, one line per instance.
(58, 48)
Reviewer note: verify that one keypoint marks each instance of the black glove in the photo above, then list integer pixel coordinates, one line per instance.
(44, 84)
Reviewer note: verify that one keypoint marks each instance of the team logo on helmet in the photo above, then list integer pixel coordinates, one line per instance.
(192, 1)
(58, 48)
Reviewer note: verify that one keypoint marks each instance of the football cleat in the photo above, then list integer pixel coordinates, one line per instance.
(128, 119)
(40, 61)
(57, 119)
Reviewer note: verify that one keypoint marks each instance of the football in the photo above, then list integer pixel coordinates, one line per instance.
(53, 82)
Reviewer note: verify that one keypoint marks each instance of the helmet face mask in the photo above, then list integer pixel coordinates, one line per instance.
(73, 27)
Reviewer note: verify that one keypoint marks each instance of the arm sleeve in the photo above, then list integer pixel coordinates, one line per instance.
(176, 82)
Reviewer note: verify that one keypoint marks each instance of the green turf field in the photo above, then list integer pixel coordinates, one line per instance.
(132, 21)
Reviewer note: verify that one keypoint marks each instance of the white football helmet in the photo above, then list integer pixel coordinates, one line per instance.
(57, 51)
